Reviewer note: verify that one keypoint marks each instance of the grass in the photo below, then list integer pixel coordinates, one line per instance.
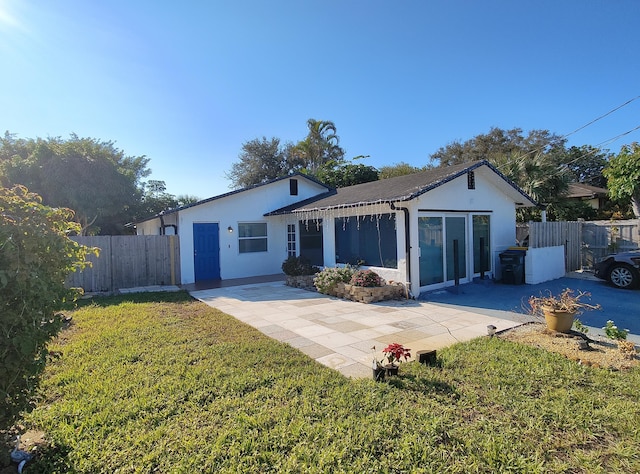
(162, 383)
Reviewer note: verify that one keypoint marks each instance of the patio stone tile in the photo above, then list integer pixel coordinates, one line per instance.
(354, 353)
(312, 316)
(386, 329)
(365, 334)
(315, 351)
(344, 326)
(313, 330)
(295, 323)
(329, 320)
(335, 361)
(300, 342)
(270, 329)
(283, 335)
(406, 324)
(334, 339)
(385, 309)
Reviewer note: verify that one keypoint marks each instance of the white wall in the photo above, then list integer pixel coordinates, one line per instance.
(544, 264)
(246, 206)
(489, 194)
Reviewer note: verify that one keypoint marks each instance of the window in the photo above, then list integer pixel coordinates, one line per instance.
(293, 187)
(481, 260)
(367, 240)
(311, 243)
(252, 237)
(291, 240)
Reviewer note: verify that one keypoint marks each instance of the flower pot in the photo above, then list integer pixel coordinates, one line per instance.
(559, 321)
(391, 369)
(379, 373)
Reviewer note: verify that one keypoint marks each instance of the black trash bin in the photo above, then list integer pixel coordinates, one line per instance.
(512, 266)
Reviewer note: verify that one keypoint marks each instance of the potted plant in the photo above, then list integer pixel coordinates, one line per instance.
(395, 353)
(560, 310)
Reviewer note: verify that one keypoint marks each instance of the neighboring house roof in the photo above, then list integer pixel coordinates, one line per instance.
(580, 191)
(237, 191)
(397, 189)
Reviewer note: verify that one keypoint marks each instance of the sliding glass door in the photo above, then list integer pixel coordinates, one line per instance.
(443, 249)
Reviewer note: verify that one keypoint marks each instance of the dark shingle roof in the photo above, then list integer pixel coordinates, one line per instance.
(398, 189)
(581, 190)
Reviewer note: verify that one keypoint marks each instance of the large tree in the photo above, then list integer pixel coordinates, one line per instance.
(498, 144)
(94, 178)
(261, 160)
(623, 176)
(586, 163)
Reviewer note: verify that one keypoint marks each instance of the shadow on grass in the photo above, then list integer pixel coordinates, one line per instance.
(424, 382)
(145, 297)
(50, 458)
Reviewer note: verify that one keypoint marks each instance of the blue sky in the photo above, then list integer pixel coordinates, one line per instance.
(187, 83)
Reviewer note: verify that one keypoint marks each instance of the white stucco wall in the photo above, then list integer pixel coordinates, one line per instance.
(242, 207)
(491, 196)
(544, 264)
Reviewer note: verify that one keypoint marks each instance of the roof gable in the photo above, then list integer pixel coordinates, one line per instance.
(238, 191)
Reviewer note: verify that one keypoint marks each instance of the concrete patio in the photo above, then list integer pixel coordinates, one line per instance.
(340, 334)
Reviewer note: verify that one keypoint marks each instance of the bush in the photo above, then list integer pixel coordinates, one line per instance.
(298, 266)
(35, 258)
(366, 278)
(328, 278)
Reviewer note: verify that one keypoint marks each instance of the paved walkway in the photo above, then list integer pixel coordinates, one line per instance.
(339, 333)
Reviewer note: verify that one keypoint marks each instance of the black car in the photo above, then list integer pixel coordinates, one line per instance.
(621, 269)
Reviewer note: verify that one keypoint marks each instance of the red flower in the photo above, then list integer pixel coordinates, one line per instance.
(394, 352)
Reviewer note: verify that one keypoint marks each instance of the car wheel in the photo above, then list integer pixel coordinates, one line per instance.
(622, 276)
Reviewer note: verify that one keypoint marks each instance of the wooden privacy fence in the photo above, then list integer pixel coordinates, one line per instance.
(585, 242)
(128, 261)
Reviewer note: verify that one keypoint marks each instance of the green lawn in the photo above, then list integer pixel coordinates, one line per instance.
(162, 383)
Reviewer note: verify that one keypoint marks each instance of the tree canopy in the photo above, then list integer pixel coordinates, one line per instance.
(98, 181)
(498, 144)
(260, 160)
(318, 154)
(623, 176)
(400, 169)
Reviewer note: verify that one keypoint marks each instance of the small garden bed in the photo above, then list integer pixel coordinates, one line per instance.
(601, 352)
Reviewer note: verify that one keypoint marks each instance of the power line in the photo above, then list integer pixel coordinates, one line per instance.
(601, 117)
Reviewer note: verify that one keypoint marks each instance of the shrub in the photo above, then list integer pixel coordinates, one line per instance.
(612, 331)
(327, 279)
(298, 266)
(366, 278)
(35, 258)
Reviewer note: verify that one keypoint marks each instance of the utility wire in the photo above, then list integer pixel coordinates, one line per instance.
(601, 117)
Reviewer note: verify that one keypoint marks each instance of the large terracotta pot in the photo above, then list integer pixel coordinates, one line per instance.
(560, 321)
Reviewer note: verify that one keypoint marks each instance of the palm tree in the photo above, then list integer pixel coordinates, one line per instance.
(321, 146)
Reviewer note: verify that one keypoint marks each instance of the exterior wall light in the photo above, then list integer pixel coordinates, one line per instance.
(230, 229)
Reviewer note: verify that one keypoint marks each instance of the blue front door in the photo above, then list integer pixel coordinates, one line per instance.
(206, 252)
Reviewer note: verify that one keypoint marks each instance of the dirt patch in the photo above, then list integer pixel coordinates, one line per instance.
(30, 441)
(600, 352)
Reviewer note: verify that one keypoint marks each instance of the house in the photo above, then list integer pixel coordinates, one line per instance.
(592, 195)
(427, 229)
